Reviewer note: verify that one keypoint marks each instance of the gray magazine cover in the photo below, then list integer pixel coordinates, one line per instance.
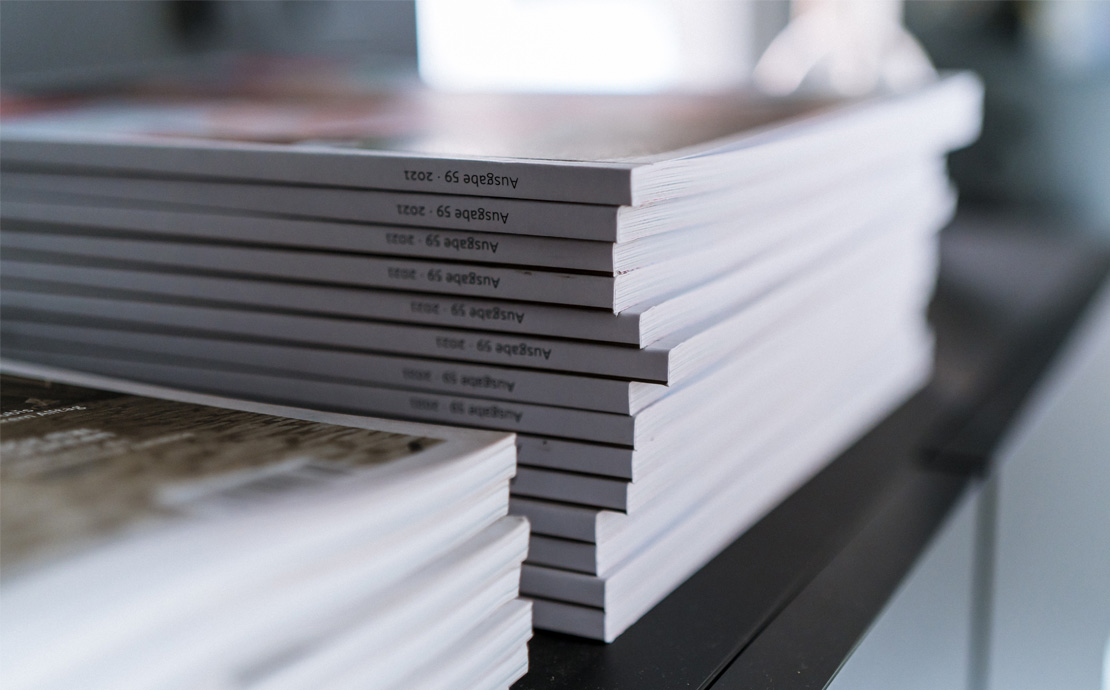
(635, 149)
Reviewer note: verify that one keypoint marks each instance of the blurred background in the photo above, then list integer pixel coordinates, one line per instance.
(1044, 153)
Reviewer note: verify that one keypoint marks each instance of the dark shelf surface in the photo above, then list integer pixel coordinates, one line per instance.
(785, 604)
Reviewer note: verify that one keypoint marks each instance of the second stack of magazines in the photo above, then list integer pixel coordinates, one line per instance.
(153, 538)
(683, 306)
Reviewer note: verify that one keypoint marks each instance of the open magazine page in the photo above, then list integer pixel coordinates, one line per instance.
(80, 464)
(83, 465)
(147, 539)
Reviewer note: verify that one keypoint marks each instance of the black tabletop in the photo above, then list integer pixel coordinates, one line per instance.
(786, 603)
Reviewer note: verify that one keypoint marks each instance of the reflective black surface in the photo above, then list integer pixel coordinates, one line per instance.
(786, 603)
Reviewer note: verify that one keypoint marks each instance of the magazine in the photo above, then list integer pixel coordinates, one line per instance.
(618, 150)
(186, 519)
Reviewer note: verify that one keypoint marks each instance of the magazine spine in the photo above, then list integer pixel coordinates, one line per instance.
(365, 303)
(563, 181)
(386, 240)
(453, 378)
(469, 280)
(615, 361)
(468, 213)
(563, 422)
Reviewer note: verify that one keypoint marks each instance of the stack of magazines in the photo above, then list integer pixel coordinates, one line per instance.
(157, 539)
(683, 305)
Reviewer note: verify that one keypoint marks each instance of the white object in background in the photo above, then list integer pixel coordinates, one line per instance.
(849, 47)
(615, 46)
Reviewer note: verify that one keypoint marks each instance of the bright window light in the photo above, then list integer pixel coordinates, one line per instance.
(582, 45)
